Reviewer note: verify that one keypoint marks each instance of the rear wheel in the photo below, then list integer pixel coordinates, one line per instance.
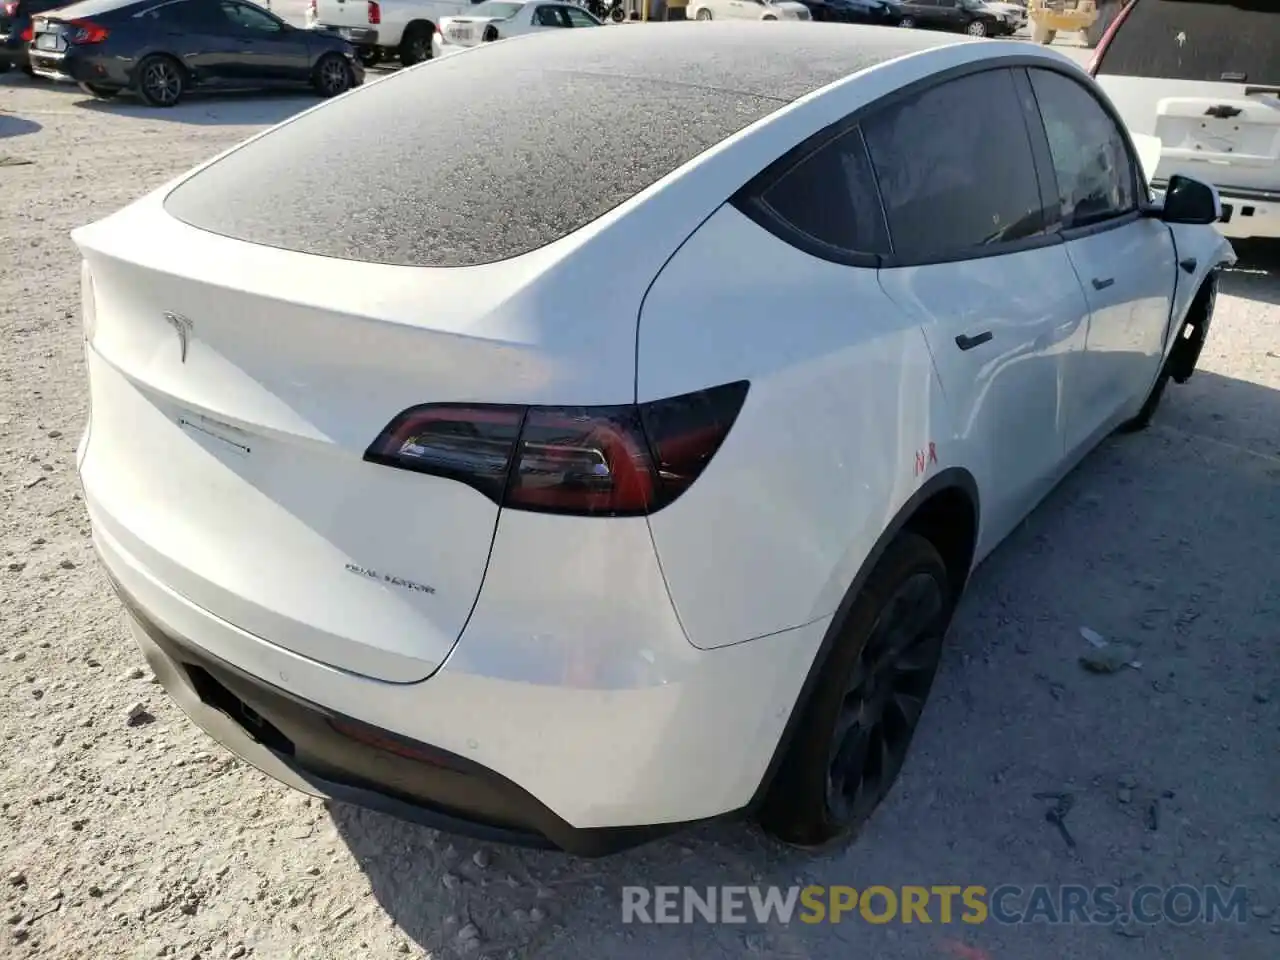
(858, 724)
(161, 80)
(371, 57)
(100, 92)
(704, 14)
(332, 75)
(617, 15)
(415, 45)
(490, 35)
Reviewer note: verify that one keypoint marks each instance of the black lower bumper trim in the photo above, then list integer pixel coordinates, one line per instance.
(348, 760)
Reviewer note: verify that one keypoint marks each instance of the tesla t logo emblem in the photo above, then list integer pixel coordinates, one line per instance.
(183, 327)
(926, 457)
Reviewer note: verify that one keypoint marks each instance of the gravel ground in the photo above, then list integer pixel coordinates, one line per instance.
(143, 840)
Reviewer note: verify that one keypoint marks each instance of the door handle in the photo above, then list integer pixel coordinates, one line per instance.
(1100, 283)
(1189, 264)
(966, 342)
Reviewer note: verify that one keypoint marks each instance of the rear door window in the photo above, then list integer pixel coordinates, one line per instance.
(579, 18)
(955, 168)
(549, 17)
(1096, 178)
(1232, 41)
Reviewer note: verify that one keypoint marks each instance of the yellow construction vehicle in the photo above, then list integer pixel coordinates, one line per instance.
(1090, 18)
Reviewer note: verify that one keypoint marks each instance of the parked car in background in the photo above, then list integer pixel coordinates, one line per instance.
(499, 19)
(1015, 13)
(408, 508)
(1204, 77)
(15, 31)
(160, 50)
(386, 29)
(748, 10)
(963, 16)
(874, 12)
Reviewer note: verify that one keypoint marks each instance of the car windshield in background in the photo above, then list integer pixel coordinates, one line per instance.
(495, 9)
(1232, 41)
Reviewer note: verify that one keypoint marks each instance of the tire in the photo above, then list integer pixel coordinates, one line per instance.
(99, 92)
(977, 29)
(332, 76)
(809, 802)
(29, 70)
(415, 45)
(907, 23)
(370, 58)
(617, 15)
(704, 15)
(161, 80)
(1182, 359)
(768, 18)
(490, 35)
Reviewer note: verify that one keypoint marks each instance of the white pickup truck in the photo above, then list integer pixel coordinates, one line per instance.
(385, 29)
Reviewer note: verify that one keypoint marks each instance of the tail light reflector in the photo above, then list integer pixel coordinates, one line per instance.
(375, 12)
(1105, 42)
(611, 461)
(85, 32)
(28, 34)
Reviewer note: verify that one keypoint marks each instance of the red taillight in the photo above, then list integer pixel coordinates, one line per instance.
(27, 34)
(86, 31)
(375, 12)
(1105, 42)
(589, 461)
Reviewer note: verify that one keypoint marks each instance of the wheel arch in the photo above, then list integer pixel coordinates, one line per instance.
(945, 511)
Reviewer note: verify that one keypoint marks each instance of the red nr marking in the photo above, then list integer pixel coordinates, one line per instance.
(926, 457)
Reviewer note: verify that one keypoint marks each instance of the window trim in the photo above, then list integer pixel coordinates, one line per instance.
(1048, 174)
(745, 199)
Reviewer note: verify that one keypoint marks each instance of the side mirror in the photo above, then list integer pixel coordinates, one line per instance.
(1190, 201)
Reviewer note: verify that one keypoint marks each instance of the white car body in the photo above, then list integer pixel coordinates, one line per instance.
(386, 29)
(1204, 77)
(748, 10)
(500, 19)
(1012, 12)
(577, 678)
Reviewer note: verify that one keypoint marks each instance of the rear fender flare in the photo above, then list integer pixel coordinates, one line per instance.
(950, 478)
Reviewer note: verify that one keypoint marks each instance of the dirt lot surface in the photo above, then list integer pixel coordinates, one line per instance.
(142, 841)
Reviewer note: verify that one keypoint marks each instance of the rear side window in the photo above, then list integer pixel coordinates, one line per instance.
(1233, 41)
(830, 196)
(1096, 179)
(955, 169)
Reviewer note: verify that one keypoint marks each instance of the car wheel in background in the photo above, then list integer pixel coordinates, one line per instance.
(332, 75)
(857, 725)
(907, 22)
(161, 80)
(977, 29)
(371, 57)
(415, 45)
(704, 14)
(101, 93)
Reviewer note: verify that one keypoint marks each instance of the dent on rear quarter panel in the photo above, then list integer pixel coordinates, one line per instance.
(772, 533)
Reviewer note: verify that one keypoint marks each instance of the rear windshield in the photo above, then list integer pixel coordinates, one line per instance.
(1233, 41)
(473, 158)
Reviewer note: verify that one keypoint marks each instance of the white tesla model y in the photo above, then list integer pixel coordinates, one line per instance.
(443, 475)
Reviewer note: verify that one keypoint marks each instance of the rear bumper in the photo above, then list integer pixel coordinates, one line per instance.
(588, 763)
(325, 754)
(74, 66)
